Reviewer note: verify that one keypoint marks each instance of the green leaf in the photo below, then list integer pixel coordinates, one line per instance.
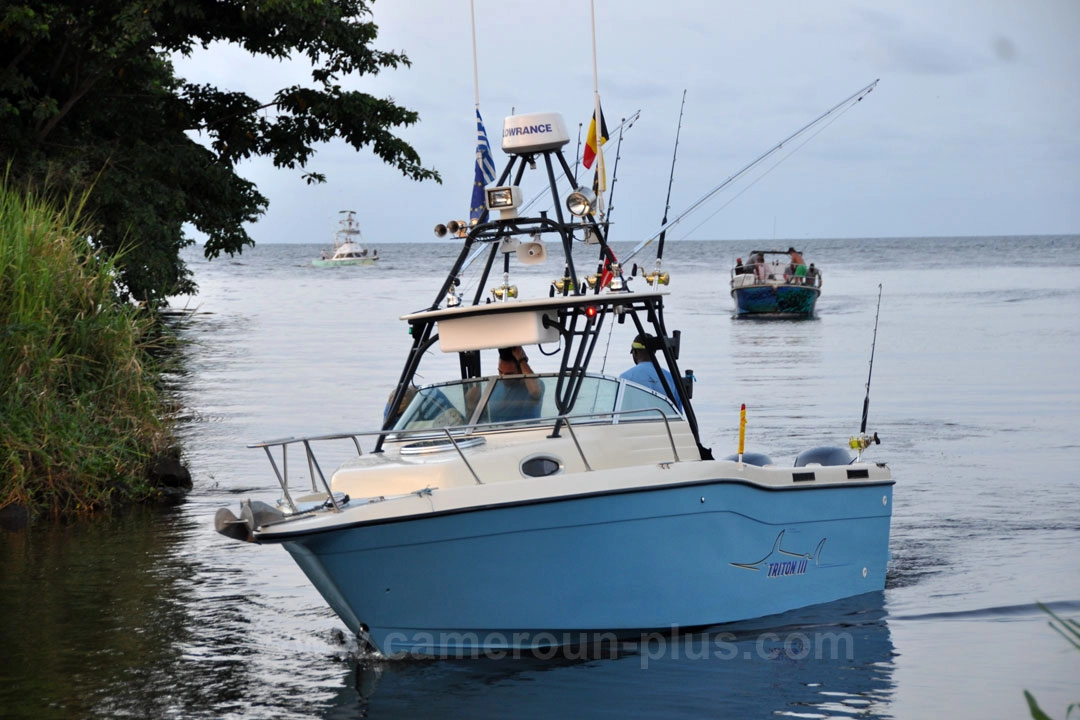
(1033, 707)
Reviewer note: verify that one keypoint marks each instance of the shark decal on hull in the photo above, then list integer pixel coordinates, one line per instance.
(779, 562)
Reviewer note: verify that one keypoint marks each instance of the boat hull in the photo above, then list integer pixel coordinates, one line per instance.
(542, 574)
(776, 301)
(342, 263)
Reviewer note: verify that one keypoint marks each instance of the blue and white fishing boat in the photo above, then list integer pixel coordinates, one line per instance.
(486, 515)
(775, 284)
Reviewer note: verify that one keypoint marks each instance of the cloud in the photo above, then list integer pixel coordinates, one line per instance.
(971, 131)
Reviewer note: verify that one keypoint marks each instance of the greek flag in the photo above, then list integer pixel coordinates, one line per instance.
(485, 172)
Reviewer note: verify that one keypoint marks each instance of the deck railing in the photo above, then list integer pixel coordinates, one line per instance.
(456, 436)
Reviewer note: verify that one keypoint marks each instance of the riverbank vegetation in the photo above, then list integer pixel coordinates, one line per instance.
(82, 419)
(95, 123)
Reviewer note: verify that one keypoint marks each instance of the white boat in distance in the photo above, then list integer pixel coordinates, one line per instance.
(486, 515)
(348, 245)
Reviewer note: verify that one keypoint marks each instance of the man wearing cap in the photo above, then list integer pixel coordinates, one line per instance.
(644, 372)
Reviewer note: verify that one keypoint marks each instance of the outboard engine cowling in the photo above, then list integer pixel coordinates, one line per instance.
(758, 459)
(824, 455)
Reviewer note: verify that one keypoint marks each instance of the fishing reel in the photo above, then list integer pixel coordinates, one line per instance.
(610, 278)
(655, 277)
(861, 442)
(504, 292)
(453, 298)
(615, 284)
(563, 285)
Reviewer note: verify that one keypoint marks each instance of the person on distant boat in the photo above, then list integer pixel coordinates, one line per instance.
(761, 271)
(515, 398)
(796, 262)
(813, 276)
(644, 372)
(739, 267)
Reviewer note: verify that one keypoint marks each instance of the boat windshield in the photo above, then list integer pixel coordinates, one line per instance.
(505, 399)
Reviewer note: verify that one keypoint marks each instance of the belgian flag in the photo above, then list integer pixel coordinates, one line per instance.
(592, 145)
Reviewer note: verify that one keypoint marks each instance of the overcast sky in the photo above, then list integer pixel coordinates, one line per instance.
(974, 128)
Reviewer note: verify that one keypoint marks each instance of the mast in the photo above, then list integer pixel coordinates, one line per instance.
(599, 119)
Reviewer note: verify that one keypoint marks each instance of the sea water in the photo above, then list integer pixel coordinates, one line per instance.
(973, 392)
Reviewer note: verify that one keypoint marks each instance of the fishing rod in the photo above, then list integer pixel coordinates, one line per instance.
(670, 182)
(861, 442)
(615, 175)
(873, 345)
(658, 276)
(849, 101)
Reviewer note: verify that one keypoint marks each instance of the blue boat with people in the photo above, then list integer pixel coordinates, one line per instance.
(775, 284)
(531, 499)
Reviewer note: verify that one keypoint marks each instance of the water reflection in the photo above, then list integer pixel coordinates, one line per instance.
(88, 608)
(835, 659)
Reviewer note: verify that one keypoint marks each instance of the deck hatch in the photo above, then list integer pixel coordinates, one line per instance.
(541, 466)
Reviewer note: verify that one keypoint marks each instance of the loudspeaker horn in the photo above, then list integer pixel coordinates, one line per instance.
(531, 253)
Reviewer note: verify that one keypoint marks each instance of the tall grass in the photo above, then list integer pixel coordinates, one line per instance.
(81, 417)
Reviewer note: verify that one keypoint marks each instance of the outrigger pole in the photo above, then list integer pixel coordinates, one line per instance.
(851, 100)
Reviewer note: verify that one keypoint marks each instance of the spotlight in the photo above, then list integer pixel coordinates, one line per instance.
(505, 199)
(581, 202)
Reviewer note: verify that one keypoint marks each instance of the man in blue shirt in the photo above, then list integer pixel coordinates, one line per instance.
(517, 397)
(644, 372)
